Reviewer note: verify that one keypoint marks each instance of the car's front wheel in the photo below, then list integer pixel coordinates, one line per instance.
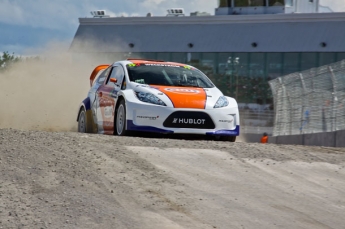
(226, 138)
(82, 121)
(120, 121)
(230, 138)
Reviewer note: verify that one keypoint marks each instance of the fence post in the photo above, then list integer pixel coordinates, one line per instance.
(303, 98)
(282, 113)
(335, 99)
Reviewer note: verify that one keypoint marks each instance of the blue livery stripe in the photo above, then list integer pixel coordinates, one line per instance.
(234, 132)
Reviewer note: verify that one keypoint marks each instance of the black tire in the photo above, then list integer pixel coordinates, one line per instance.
(82, 121)
(226, 138)
(120, 119)
(231, 139)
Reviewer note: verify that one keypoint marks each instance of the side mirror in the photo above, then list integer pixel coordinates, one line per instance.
(113, 80)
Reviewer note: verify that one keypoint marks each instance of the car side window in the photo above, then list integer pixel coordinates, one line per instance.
(103, 76)
(118, 74)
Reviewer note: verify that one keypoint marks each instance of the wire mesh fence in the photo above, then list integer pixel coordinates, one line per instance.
(256, 121)
(311, 101)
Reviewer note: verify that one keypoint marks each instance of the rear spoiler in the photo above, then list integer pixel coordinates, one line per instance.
(95, 72)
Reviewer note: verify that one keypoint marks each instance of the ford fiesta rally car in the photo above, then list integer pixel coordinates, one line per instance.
(156, 96)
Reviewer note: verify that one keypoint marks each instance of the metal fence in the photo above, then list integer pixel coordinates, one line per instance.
(311, 101)
(256, 121)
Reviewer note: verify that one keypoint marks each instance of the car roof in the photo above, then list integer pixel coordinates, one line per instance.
(148, 61)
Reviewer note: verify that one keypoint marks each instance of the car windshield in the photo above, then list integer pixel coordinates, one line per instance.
(168, 75)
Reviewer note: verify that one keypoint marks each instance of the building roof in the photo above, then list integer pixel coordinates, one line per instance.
(230, 33)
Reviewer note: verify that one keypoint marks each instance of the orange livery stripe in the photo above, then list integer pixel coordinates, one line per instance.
(185, 97)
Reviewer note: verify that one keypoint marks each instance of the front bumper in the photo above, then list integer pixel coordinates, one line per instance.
(152, 118)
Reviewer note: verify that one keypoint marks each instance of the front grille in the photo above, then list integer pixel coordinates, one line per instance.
(189, 119)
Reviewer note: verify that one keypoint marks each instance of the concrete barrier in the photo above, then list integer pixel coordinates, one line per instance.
(251, 137)
(320, 139)
(272, 139)
(290, 140)
(340, 138)
(329, 139)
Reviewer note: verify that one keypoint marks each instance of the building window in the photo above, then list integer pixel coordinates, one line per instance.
(180, 57)
(279, 2)
(291, 63)
(224, 3)
(240, 3)
(244, 3)
(326, 58)
(257, 2)
(163, 56)
(311, 1)
(308, 60)
(340, 56)
(274, 65)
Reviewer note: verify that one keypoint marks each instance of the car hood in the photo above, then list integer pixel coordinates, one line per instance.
(185, 97)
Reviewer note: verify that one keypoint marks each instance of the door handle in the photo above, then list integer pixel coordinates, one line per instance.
(99, 94)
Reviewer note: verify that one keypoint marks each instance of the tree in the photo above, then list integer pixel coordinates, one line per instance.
(7, 59)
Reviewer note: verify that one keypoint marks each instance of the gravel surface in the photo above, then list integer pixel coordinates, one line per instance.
(73, 180)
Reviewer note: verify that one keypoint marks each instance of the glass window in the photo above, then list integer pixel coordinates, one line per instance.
(244, 3)
(257, 65)
(147, 55)
(278, 2)
(118, 74)
(240, 3)
(308, 61)
(225, 63)
(224, 3)
(289, 2)
(240, 78)
(163, 56)
(102, 76)
(193, 58)
(274, 65)
(257, 2)
(256, 83)
(208, 63)
(326, 58)
(290, 63)
(179, 57)
(168, 75)
(340, 56)
(222, 76)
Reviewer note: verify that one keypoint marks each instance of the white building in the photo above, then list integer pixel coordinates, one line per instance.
(235, 7)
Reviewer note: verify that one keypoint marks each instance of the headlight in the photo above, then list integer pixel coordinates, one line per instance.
(149, 98)
(222, 102)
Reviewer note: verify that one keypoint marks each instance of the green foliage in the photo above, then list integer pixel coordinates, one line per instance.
(6, 59)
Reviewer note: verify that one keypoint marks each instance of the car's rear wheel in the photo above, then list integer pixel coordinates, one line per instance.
(120, 121)
(82, 122)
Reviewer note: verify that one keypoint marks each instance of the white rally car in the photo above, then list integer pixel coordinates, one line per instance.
(156, 96)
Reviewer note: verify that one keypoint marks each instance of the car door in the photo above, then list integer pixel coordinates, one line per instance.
(107, 95)
(94, 100)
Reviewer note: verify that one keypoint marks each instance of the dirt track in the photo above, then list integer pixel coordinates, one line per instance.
(72, 180)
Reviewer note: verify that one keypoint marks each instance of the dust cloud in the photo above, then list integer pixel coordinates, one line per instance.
(45, 94)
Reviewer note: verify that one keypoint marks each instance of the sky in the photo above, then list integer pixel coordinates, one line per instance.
(28, 25)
